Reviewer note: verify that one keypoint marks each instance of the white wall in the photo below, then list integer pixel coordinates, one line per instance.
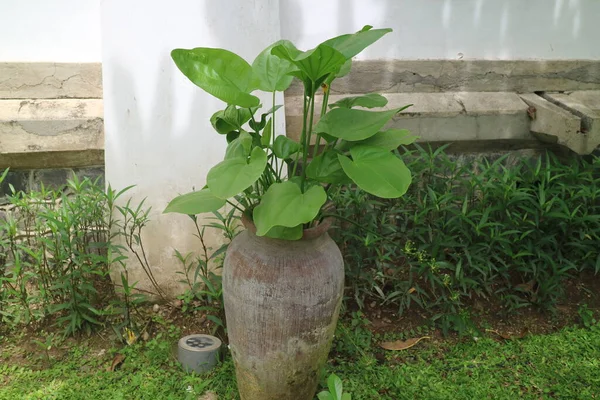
(157, 130)
(50, 30)
(69, 30)
(435, 29)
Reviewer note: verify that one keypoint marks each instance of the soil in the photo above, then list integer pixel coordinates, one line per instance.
(487, 314)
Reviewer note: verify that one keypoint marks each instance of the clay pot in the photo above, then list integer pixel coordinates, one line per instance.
(282, 300)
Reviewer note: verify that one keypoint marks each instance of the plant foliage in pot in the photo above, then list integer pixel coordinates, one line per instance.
(283, 276)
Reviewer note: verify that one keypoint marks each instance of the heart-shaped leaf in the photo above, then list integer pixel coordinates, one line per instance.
(352, 44)
(194, 203)
(271, 73)
(232, 176)
(390, 139)
(326, 168)
(370, 100)
(240, 147)
(353, 125)
(265, 139)
(377, 171)
(285, 205)
(219, 72)
(313, 64)
(282, 232)
(284, 147)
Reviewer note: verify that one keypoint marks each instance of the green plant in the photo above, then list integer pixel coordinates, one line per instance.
(473, 229)
(356, 148)
(587, 316)
(56, 247)
(205, 293)
(335, 392)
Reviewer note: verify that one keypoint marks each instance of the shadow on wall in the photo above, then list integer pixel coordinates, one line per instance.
(454, 29)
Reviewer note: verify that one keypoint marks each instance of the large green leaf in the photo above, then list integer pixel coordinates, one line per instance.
(284, 147)
(233, 175)
(390, 139)
(352, 44)
(282, 232)
(265, 139)
(230, 119)
(239, 147)
(377, 171)
(352, 125)
(326, 168)
(285, 205)
(195, 203)
(313, 64)
(271, 73)
(219, 72)
(370, 100)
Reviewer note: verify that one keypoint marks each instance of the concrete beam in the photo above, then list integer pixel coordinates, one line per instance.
(50, 80)
(429, 76)
(51, 133)
(551, 123)
(443, 117)
(586, 106)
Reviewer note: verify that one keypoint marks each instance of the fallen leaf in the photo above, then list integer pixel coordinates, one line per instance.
(117, 360)
(411, 290)
(402, 344)
(506, 336)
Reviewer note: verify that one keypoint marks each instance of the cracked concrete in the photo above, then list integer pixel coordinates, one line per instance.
(521, 76)
(51, 133)
(50, 80)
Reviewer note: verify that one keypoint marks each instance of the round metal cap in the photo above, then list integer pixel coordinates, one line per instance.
(199, 342)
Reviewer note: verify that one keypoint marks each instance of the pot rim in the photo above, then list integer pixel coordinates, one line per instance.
(307, 234)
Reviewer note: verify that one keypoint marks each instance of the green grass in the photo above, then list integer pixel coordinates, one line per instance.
(564, 365)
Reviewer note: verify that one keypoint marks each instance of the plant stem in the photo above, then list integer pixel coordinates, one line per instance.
(323, 111)
(234, 206)
(303, 135)
(308, 136)
(273, 135)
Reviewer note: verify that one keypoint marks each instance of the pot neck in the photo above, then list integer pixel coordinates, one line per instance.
(307, 234)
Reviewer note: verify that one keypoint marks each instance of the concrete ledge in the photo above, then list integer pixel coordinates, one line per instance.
(550, 123)
(50, 80)
(585, 105)
(426, 76)
(51, 133)
(444, 117)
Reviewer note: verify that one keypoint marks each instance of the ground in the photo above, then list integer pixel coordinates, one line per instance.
(534, 354)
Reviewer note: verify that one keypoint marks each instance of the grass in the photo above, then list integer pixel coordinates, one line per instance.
(560, 365)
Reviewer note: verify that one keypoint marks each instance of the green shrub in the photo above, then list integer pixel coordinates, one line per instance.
(508, 229)
(56, 247)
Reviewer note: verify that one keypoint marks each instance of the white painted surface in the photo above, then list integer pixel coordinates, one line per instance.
(157, 128)
(436, 29)
(50, 30)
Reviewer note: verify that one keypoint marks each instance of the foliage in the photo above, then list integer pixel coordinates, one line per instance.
(54, 256)
(335, 390)
(56, 247)
(560, 365)
(252, 175)
(513, 230)
(204, 291)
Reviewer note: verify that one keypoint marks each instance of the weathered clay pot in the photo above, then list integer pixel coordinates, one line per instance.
(282, 300)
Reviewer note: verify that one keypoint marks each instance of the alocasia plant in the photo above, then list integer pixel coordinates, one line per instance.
(275, 180)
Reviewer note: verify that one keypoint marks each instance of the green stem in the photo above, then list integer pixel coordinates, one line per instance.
(303, 135)
(234, 206)
(323, 110)
(308, 136)
(273, 135)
